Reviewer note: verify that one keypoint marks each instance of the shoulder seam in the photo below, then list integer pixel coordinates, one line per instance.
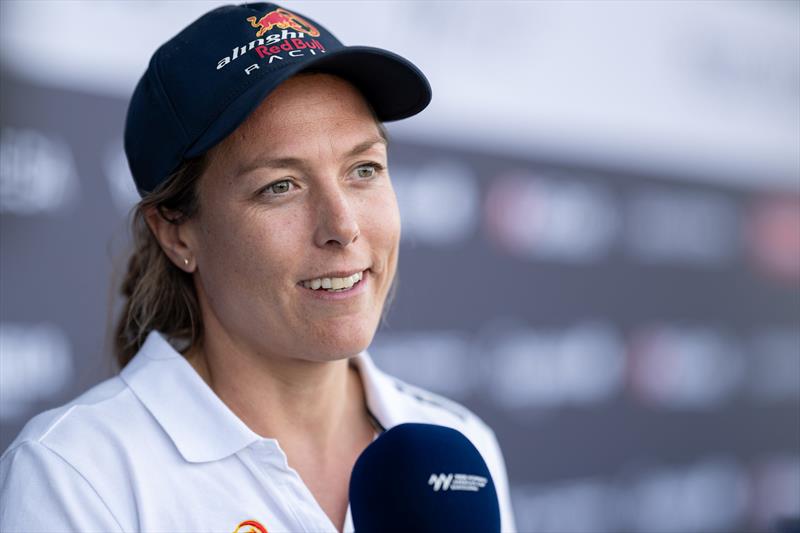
(54, 424)
(70, 407)
(41, 437)
(75, 405)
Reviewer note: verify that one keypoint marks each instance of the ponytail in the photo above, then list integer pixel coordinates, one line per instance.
(159, 295)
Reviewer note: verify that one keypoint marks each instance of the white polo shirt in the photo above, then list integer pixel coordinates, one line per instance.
(155, 450)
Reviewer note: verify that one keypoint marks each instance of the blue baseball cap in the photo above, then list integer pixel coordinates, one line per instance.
(203, 83)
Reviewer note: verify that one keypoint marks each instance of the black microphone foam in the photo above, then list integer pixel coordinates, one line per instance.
(423, 478)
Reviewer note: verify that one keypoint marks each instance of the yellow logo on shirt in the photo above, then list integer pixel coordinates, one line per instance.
(255, 527)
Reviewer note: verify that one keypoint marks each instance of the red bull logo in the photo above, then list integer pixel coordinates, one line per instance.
(280, 18)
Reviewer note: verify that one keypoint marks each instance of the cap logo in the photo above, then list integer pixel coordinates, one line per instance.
(284, 20)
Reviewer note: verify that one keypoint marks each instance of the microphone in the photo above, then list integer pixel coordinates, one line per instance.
(423, 478)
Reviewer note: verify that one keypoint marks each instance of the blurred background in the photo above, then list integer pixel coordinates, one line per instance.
(601, 248)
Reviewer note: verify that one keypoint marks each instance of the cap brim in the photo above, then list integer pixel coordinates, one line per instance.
(393, 86)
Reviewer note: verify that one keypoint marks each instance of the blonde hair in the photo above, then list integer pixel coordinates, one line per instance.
(159, 295)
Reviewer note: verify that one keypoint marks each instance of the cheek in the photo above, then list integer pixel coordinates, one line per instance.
(247, 247)
(384, 228)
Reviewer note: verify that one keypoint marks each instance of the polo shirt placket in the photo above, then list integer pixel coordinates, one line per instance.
(270, 463)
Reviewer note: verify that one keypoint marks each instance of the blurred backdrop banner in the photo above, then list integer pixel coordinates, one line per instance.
(601, 236)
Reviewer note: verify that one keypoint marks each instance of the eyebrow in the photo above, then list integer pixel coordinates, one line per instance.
(286, 162)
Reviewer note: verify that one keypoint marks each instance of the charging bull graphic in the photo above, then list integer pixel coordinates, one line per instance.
(284, 20)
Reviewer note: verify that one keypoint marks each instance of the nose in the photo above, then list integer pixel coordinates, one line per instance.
(337, 223)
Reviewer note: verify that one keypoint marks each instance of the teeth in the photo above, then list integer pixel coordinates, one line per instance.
(334, 284)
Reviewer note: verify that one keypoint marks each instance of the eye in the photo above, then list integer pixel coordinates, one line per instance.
(365, 172)
(279, 187)
(368, 170)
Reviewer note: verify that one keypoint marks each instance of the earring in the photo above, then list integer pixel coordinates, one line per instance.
(186, 261)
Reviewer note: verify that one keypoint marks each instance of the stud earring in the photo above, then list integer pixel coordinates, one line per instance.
(186, 261)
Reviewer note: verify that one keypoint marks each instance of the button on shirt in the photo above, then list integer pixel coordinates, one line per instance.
(155, 450)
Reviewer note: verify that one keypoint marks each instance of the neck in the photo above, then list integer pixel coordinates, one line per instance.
(298, 402)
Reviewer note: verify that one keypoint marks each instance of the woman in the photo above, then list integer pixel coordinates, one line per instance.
(266, 244)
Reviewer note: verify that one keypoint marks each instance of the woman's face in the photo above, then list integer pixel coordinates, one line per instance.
(296, 198)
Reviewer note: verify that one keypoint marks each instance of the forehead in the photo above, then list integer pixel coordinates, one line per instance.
(302, 112)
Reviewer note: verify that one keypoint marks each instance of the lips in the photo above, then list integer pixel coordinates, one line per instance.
(329, 295)
(334, 281)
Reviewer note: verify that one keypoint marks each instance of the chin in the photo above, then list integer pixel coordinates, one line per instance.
(346, 342)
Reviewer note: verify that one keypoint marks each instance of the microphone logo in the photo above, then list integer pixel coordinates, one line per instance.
(442, 481)
(466, 482)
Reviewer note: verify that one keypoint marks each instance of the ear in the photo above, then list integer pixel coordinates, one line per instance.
(175, 239)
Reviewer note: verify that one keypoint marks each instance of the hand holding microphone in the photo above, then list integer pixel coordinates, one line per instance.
(423, 478)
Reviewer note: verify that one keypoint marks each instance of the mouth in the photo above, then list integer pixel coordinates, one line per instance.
(335, 282)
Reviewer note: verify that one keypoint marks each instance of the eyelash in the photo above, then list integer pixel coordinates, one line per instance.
(376, 167)
(271, 186)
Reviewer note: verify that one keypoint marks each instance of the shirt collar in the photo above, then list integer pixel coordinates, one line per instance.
(384, 399)
(200, 425)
